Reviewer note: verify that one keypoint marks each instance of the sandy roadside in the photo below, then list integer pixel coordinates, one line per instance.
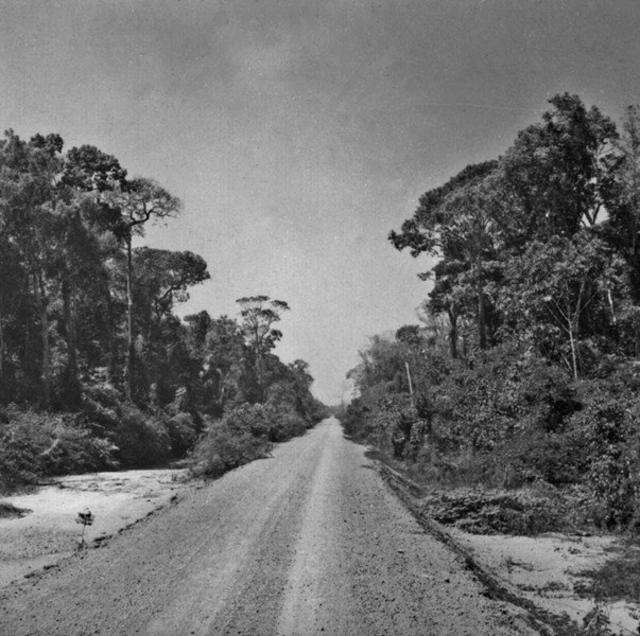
(545, 569)
(49, 532)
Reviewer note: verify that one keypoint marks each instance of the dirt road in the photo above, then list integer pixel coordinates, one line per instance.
(308, 541)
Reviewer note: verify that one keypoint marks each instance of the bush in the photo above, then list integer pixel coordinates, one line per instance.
(33, 445)
(252, 418)
(142, 440)
(182, 433)
(227, 445)
(244, 433)
(285, 425)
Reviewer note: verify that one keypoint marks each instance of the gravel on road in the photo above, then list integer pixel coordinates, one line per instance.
(307, 541)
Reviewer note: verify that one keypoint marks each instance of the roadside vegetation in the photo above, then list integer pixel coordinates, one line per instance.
(96, 369)
(523, 377)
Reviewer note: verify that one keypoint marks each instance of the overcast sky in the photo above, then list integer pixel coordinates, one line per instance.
(298, 133)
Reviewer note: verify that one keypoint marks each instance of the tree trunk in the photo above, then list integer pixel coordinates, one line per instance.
(482, 320)
(635, 298)
(572, 343)
(611, 305)
(72, 388)
(45, 365)
(3, 387)
(259, 369)
(482, 314)
(27, 358)
(112, 348)
(408, 370)
(453, 332)
(130, 346)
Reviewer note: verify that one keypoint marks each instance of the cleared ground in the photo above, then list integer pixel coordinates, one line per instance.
(308, 541)
(47, 531)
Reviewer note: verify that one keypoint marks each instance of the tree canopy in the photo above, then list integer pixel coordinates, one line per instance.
(88, 318)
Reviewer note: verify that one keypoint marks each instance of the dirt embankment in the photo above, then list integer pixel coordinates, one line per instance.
(308, 541)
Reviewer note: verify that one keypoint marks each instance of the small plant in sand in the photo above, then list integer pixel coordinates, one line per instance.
(596, 622)
(84, 518)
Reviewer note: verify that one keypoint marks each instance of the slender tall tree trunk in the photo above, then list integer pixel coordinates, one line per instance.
(611, 305)
(453, 332)
(130, 348)
(482, 314)
(112, 363)
(27, 359)
(259, 368)
(72, 384)
(635, 295)
(45, 365)
(3, 383)
(221, 379)
(572, 344)
(408, 370)
(482, 320)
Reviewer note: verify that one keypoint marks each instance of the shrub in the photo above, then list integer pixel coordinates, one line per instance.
(285, 425)
(251, 418)
(182, 433)
(33, 445)
(225, 446)
(244, 433)
(142, 441)
(76, 450)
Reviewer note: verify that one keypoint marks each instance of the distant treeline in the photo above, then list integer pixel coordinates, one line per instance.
(525, 367)
(96, 369)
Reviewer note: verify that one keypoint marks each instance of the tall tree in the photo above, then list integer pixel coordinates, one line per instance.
(30, 198)
(555, 170)
(224, 354)
(259, 314)
(161, 278)
(91, 173)
(622, 229)
(457, 223)
(138, 201)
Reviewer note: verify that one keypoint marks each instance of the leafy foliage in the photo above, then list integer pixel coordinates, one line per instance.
(96, 368)
(533, 379)
(33, 444)
(239, 437)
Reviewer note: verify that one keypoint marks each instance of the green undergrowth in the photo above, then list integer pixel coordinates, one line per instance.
(109, 433)
(106, 434)
(243, 434)
(503, 422)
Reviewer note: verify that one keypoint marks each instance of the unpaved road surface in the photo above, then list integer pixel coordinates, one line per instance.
(308, 541)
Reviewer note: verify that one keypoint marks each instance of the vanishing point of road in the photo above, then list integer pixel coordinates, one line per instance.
(307, 541)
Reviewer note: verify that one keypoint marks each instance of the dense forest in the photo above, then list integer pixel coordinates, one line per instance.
(525, 367)
(96, 369)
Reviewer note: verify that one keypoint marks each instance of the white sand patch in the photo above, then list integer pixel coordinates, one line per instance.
(50, 532)
(545, 569)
